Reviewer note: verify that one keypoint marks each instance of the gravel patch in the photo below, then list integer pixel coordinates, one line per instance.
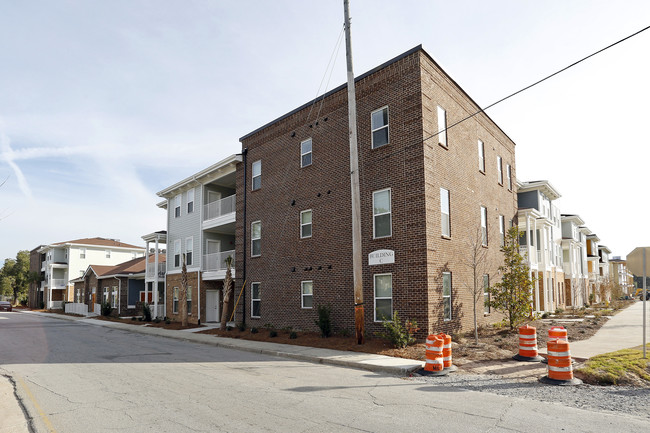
(616, 399)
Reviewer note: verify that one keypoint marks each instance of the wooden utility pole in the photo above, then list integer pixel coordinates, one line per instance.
(357, 260)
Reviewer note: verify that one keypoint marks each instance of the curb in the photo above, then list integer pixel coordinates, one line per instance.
(369, 362)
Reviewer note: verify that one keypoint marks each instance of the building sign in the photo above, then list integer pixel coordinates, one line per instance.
(381, 257)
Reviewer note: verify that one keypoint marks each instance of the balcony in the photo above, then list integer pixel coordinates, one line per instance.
(151, 271)
(57, 283)
(214, 265)
(219, 212)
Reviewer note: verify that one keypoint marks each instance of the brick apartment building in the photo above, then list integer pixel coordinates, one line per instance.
(425, 196)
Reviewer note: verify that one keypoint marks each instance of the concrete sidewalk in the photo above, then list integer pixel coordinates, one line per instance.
(364, 361)
(622, 331)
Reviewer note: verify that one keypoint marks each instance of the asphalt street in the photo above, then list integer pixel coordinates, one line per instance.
(79, 377)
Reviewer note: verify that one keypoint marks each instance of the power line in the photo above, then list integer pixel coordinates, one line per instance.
(536, 83)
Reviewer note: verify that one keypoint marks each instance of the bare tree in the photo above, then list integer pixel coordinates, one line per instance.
(227, 293)
(476, 259)
(183, 295)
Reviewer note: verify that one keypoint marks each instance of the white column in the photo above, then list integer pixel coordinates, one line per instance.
(155, 279)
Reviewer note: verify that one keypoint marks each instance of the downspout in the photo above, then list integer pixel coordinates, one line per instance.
(198, 294)
(119, 294)
(244, 152)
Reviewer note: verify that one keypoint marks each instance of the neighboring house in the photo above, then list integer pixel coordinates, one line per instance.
(35, 294)
(201, 231)
(122, 286)
(426, 192)
(603, 274)
(541, 242)
(60, 262)
(621, 276)
(593, 266)
(574, 252)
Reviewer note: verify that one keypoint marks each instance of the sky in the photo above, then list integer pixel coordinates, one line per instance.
(102, 104)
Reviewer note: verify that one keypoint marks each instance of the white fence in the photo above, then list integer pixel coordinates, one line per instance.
(217, 261)
(76, 308)
(219, 208)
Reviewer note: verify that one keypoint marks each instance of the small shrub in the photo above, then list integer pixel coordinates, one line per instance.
(293, 335)
(106, 309)
(42, 305)
(134, 318)
(241, 326)
(398, 334)
(344, 332)
(140, 319)
(167, 321)
(146, 312)
(559, 311)
(324, 321)
(229, 328)
(545, 315)
(254, 330)
(268, 326)
(157, 320)
(273, 333)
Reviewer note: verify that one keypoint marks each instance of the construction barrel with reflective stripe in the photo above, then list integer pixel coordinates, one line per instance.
(446, 349)
(556, 333)
(559, 360)
(434, 346)
(527, 342)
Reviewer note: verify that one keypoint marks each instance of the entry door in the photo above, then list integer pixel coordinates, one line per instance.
(211, 306)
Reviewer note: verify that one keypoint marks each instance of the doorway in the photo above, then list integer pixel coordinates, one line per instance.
(211, 305)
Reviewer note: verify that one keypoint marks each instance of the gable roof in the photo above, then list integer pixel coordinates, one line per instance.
(132, 267)
(99, 242)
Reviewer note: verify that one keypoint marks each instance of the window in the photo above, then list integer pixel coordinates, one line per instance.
(499, 170)
(108, 254)
(442, 126)
(383, 297)
(481, 156)
(190, 201)
(105, 294)
(114, 297)
(381, 212)
(256, 300)
(189, 300)
(256, 238)
(257, 175)
(379, 125)
(175, 303)
(177, 253)
(484, 231)
(444, 212)
(307, 294)
(82, 253)
(446, 295)
(305, 153)
(305, 224)
(502, 229)
(177, 206)
(486, 293)
(509, 176)
(81, 273)
(189, 250)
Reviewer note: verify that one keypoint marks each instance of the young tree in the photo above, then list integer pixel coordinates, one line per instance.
(227, 293)
(476, 260)
(513, 295)
(15, 277)
(183, 295)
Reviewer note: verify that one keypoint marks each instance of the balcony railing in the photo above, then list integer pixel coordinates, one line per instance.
(219, 208)
(58, 283)
(217, 261)
(151, 270)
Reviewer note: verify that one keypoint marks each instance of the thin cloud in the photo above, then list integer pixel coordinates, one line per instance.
(7, 156)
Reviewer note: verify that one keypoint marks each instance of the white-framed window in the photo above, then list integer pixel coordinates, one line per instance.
(499, 170)
(502, 229)
(446, 295)
(82, 253)
(383, 289)
(445, 221)
(305, 224)
(305, 153)
(114, 297)
(177, 206)
(481, 156)
(189, 251)
(107, 253)
(190, 201)
(105, 294)
(256, 175)
(307, 294)
(177, 253)
(256, 299)
(379, 126)
(175, 300)
(486, 293)
(256, 238)
(381, 213)
(189, 300)
(442, 126)
(484, 230)
(509, 176)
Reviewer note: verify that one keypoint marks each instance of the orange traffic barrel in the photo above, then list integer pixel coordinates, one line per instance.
(446, 350)
(559, 368)
(527, 345)
(556, 333)
(433, 355)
